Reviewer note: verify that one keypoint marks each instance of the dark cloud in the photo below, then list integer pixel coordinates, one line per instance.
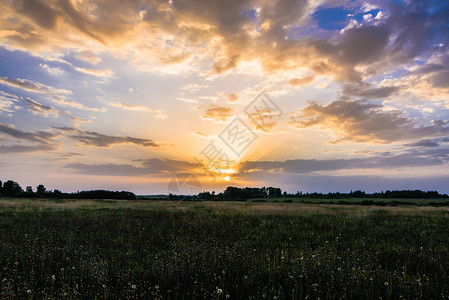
(169, 165)
(417, 24)
(364, 90)
(326, 183)
(303, 166)
(423, 143)
(39, 108)
(149, 166)
(42, 137)
(26, 148)
(93, 138)
(41, 140)
(358, 121)
(426, 69)
(362, 45)
(440, 79)
(109, 169)
(44, 15)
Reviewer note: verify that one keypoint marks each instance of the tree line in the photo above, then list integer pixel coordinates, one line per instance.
(235, 193)
(13, 189)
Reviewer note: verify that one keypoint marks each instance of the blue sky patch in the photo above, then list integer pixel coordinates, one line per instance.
(331, 18)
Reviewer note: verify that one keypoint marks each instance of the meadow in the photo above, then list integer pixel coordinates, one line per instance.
(159, 250)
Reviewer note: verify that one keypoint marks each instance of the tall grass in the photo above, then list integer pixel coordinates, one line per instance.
(180, 255)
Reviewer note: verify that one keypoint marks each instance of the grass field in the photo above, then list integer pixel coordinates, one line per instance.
(162, 250)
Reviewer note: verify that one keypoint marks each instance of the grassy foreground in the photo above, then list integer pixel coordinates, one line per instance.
(199, 253)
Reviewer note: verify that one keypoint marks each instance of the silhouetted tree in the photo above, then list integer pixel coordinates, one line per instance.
(56, 194)
(29, 189)
(10, 188)
(40, 189)
(274, 192)
(205, 196)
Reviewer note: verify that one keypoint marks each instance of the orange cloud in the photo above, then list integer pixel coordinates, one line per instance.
(218, 113)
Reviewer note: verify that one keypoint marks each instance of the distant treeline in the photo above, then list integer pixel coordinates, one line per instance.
(235, 193)
(13, 189)
(403, 194)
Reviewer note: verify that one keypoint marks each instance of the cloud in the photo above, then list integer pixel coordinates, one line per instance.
(305, 166)
(56, 95)
(201, 134)
(149, 166)
(131, 107)
(109, 169)
(302, 81)
(218, 113)
(51, 70)
(232, 97)
(7, 102)
(221, 36)
(32, 86)
(38, 108)
(188, 100)
(365, 90)
(423, 143)
(358, 121)
(42, 137)
(77, 105)
(104, 72)
(41, 140)
(92, 138)
(169, 165)
(324, 183)
(88, 56)
(77, 119)
(157, 113)
(193, 87)
(264, 119)
(26, 148)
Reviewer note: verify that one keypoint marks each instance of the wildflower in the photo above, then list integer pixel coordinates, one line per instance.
(386, 283)
(53, 277)
(134, 287)
(28, 292)
(219, 291)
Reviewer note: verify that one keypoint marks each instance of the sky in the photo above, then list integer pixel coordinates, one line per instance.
(179, 96)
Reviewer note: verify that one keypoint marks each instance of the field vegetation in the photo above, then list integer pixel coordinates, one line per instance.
(106, 250)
